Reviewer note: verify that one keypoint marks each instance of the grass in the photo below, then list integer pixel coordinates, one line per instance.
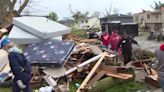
(3, 89)
(130, 86)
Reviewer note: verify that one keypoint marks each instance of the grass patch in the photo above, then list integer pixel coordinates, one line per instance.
(130, 86)
(3, 89)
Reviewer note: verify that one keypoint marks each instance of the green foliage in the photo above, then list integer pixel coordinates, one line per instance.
(157, 5)
(53, 16)
(3, 89)
(130, 86)
(78, 33)
(78, 15)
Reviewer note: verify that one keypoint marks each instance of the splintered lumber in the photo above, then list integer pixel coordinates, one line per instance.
(153, 72)
(147, 70)
(120, 75)
(98, 76)
(50, 81)
(83, 64)
(81, 45)
(91, 72)
(104, 84)
(88, 40)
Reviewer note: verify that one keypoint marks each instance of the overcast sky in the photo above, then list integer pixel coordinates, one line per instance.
(61, 7)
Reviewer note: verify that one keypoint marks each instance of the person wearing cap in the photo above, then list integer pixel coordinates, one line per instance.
(160, 67)
(20, 67)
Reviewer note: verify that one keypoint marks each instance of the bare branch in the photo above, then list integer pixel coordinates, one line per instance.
(12, 5)
(23, 6)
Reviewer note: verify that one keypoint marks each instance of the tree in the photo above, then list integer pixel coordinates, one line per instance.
(115, 11)
(7, 11)
(53, 16)
(79, 15)
(157, 5)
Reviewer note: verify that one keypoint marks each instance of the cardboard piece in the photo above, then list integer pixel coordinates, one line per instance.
(41, 26)
(20, 36)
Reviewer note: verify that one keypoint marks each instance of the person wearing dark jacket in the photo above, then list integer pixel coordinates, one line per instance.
(21, 69)
(126, 44)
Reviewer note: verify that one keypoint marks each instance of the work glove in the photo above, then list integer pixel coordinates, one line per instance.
(20, 84)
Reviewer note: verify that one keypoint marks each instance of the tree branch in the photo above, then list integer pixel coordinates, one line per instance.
(23, 6)
(12, 5)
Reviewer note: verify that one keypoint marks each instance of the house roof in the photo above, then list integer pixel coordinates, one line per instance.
(116, 16)
(66, 21)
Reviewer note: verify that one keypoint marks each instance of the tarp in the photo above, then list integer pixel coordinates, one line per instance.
(41, 26)
(20, 36)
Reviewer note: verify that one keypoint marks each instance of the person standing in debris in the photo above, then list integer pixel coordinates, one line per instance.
(114, 40)
(160, 67)
(126, 44)
(21, 69)
(18, 64)
(105, 38)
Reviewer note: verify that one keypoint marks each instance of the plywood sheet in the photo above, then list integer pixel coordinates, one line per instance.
(55, 72)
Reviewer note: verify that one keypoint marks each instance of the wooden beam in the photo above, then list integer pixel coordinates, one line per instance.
(120, 75)
(91, 72)
(147, 70)
(88, 40)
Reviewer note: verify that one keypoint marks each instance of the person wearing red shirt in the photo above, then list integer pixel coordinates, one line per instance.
(114, 40)
(105, 38)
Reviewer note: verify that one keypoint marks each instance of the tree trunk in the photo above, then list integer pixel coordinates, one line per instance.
(4, 4)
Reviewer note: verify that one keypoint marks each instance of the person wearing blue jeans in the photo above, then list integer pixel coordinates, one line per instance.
(160, 67)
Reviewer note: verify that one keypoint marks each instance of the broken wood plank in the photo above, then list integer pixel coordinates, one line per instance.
(108, 68)
(88, 40)
(81, 45)
(119, 75)
(50, 81)
(153, 72)
(98, 76)
(55, 72)
(96, 50)
(83, 64)
(91, 72)
(147, 70)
